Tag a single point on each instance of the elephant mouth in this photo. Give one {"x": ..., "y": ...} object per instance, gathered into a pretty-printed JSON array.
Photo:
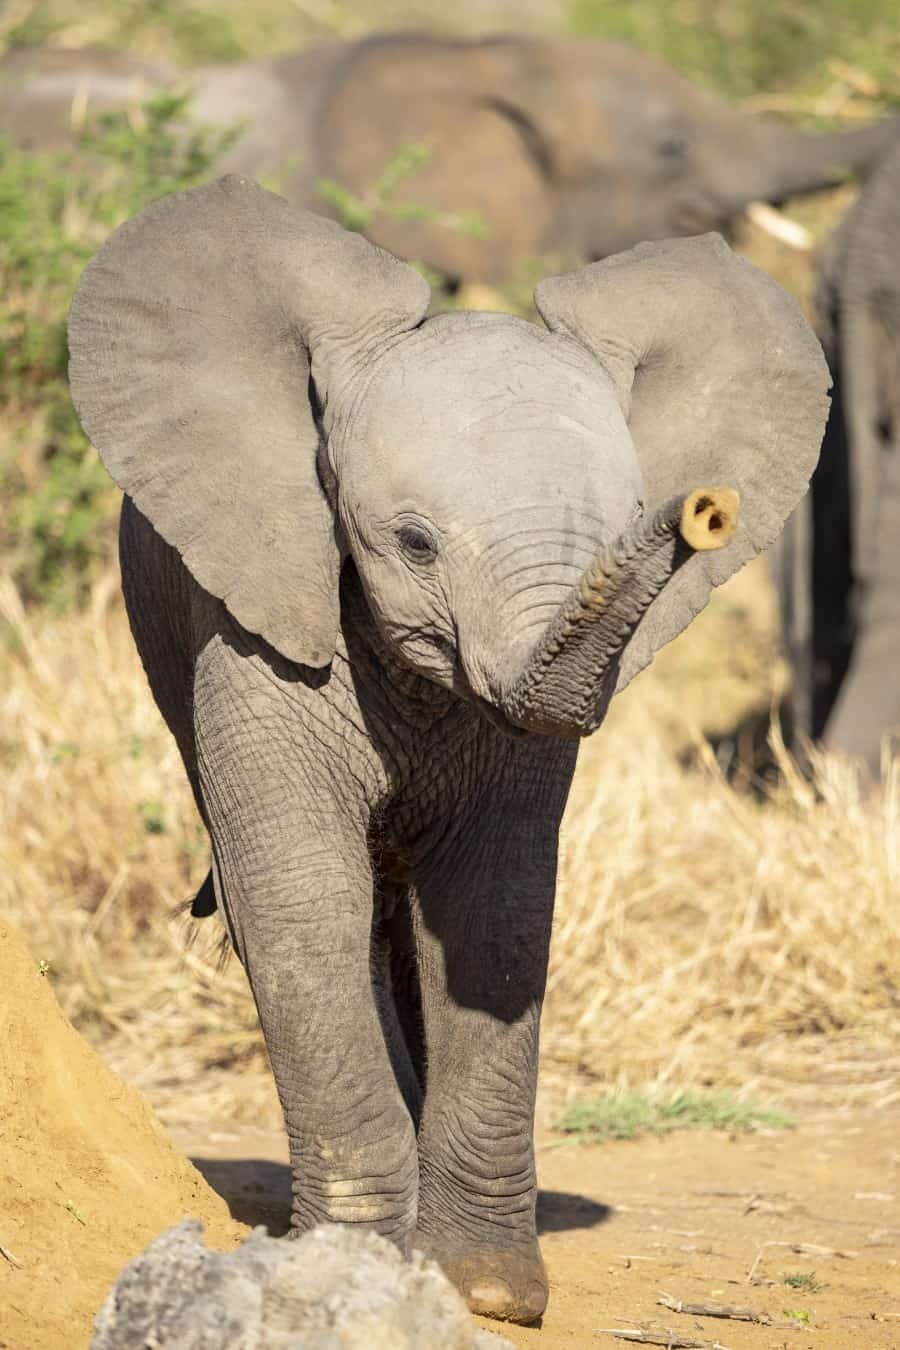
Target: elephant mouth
[{"x": 499, "y": 720}]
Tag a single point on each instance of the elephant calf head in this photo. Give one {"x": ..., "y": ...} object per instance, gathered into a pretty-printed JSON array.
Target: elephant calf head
[{"x": 532, "y": 511}]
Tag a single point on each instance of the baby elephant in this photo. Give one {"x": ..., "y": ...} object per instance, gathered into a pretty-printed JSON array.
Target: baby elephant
[{"x": 384, "y": 571}]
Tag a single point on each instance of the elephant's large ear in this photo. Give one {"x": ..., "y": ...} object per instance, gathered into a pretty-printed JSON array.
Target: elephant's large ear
[
  {"x": 197, "y": 337},
  {"x": 721, "y": 381}
]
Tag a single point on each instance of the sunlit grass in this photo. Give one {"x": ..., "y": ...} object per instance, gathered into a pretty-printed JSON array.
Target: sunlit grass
[
  {"x": 626, "y": 1115},
  {"x": 706, "y": 938}
]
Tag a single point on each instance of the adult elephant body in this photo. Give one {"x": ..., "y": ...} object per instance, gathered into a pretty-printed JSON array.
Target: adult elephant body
[
  {"x": 383, "y": 572},
  {"x": 841, "y": 581},
  {"x": 47, "y": 94},
  {"x": 576, "y": 149},
  {"x": 571, "y": 148}
]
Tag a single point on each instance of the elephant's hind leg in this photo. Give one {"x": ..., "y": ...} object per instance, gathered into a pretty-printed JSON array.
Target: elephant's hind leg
[{"x": 396, "y": 980}]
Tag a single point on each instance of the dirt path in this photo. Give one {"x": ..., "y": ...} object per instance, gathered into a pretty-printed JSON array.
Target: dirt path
[{"x": 691, "y": 1215}]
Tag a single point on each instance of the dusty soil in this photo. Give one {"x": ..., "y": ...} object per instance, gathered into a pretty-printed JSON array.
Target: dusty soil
[
  {"x": 703, "y": 1217},
  {"x": 87, "y": 1176}
]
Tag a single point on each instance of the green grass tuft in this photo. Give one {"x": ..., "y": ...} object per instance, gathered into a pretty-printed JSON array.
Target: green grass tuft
[
  {"x": 803, "y": 1280},
  {"x": 629, "y": 1114}
]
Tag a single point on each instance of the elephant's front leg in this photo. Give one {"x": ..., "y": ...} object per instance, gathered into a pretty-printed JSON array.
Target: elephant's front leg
[
  {"x": 289, "y": 841},
  {"x": 485, "y": 893},
  {"x": 301, "y": 910}
]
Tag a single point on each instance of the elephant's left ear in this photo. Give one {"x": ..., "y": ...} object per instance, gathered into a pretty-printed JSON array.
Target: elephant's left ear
[
  {"x": 721, "y": 381},
  {"x": 211, "y": 340}
]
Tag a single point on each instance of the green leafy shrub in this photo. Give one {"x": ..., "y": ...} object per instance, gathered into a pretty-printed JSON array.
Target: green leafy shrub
[
  {"x": 358, "y": 213},
  {"x": 55, "y": 211},
  {"x": 186, "y": 31}
]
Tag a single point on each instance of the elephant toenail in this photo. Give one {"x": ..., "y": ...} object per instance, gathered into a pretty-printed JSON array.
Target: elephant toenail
[{"x": 491, "y": 1298}]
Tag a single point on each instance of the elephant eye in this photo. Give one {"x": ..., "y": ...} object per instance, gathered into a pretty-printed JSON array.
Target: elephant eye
[
  {"x": 416, "y": 544},
  {"x": 673, "y": 147}
]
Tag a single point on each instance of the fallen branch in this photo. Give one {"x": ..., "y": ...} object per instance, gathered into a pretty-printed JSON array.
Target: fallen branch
[
  {"x": 7, "y": 1255},
  {"x": 713, "y": 1310},
  {"x": 670, "y": 1339},
  {"x": 814, "y": 1249}
]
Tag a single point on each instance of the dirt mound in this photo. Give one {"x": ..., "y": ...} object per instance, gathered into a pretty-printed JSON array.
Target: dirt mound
[{"x": 87, "y": 1175}]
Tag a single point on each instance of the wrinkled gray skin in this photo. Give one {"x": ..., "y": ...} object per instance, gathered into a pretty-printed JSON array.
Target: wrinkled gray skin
[
  {"x": 840, "y": 581},
  {"x": 383, "y": 572},
  {"x": 335, "y": 1289},
  {"x": 570, "y": 148}
]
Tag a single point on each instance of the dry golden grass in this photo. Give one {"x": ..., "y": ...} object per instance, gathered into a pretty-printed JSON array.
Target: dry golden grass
[
  {"x": 705, "y": 934},
  {"x": 99, "y": 844},
  {"x": 724, "y": 938}
]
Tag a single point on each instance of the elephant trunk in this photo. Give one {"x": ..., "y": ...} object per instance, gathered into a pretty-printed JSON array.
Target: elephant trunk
[
  {"x": 799, "y": 162},
  {"x": 569, "y": 678}
]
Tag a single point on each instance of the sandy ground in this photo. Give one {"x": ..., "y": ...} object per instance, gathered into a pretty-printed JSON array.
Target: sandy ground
[
  {"x": 87, "y": 1175},
  {"x": 703, "y": 1217}
]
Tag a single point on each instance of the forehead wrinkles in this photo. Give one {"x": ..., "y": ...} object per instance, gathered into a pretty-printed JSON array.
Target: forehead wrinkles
[{"x": 492, "y": 376}]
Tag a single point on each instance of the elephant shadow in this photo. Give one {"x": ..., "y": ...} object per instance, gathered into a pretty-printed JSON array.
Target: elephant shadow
[{"x": 258, "y": 1191}]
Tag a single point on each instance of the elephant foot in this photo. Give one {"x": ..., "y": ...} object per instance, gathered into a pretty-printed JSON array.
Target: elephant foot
[{"x": 509, "y": 1284}]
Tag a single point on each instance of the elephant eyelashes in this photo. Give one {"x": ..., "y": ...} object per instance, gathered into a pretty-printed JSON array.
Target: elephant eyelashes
[{"x": 416, "y": 544}]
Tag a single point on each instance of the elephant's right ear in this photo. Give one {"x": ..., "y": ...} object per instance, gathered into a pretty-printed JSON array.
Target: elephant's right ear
[
  {"x": 721, "y": 381},
  {"x": 194, "y": 337}
]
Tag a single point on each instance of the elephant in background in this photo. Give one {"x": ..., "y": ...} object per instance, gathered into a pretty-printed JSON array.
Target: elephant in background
[
  {"x": 569, "y": 148},
  {"x": 840, "y": 572},
  {"x": 383, "y": 572}
]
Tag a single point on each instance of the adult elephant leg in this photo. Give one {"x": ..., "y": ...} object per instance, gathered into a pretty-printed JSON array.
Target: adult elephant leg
[
  {"x": 485, "y": 888},
  {"x": 289, "y": 835},
  {"x": 869, "y": 702},
  {"x": 868, "y": 706},
  {"x": 832, "y": 574}
]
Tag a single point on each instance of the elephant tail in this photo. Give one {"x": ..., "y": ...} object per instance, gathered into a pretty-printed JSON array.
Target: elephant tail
[{"x": 204, "y": 902}]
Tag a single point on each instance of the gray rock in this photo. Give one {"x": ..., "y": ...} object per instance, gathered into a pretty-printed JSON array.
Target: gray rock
[{"x": 332, "y": 1289}]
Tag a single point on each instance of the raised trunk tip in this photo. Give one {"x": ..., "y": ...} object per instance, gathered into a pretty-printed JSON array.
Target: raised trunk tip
[
  {"x": 567, "y": 681},
  {"x": 709, "y": 517}
]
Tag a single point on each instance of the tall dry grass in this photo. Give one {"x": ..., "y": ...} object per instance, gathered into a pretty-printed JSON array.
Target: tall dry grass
[
  {"x": 716, "y": 937},
  {"x": 705, "y": 933}
]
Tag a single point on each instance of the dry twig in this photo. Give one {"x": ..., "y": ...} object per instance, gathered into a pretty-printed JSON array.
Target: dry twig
[
  {"x": 712, "y": 1310},
  {"x": 670, "y": 1339}
]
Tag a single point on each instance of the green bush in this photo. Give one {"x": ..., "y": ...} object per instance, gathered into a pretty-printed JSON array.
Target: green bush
[
  {"x": 380, "y": 199},
  {"x": 187, "y": 32},
  {"x": 55, "y": 211}
]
